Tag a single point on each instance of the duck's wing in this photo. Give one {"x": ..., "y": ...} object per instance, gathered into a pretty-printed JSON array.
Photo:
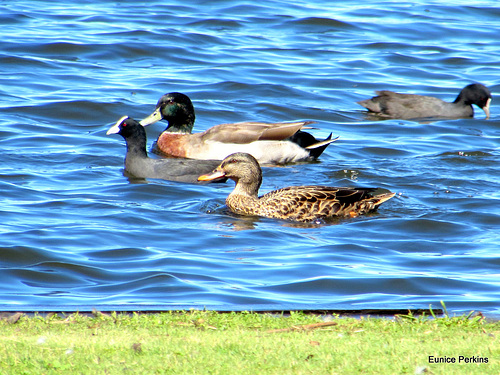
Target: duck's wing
[
  {"x": 305, "y": 203},
  {"x": 247, "y": 132}
]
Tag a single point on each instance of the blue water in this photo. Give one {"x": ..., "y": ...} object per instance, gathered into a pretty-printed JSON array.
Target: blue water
[{"x": 76, "y": 233}]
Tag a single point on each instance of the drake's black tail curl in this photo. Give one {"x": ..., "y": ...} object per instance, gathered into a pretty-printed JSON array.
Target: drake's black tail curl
[{"x": 305, "y": 140}]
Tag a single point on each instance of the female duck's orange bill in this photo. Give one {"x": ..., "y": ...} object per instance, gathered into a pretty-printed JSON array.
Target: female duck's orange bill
[{"x": 216, "y": 174}]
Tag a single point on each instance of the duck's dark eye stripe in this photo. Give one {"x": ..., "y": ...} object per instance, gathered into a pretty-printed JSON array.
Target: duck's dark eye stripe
[{"x": 230, "y": 161}]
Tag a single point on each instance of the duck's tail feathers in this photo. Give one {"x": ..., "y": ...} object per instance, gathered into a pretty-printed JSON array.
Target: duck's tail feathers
[
  {"x": 317, "y": 148},
  {"x": 381, "y": 198}
]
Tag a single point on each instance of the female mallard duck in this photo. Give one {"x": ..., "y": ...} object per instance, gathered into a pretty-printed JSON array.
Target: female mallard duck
[
  {"x": 298, "y": 203},
  {"x": 138, "y": 164},
  {"x": 268, "y": 142},
  {"x": 408, "y": 106}
]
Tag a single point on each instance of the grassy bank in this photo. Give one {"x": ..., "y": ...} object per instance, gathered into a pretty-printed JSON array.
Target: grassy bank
[{"x": 246, "y": 343}]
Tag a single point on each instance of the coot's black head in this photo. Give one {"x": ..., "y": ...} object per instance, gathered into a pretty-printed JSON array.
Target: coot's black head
[
  {"x": 477, "y": 94},
  {"x": 127, "y": 127}
]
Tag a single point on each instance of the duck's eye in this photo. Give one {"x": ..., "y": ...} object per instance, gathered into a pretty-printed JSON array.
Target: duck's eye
[{"x": 229, "y": 161}]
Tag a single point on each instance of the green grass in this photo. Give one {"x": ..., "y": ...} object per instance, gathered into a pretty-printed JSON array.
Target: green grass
[{"x": 200, "y": 342}]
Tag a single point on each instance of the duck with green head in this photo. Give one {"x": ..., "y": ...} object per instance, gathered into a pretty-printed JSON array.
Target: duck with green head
[{"x": 270, "y": 143}]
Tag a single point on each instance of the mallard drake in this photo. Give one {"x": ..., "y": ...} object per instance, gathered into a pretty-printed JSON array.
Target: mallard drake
[
  {"x": 408, "y": 106},
  {"x": 297, "y": 203},
  {"x": 277, "y": 143},
  {"x": 138, "y": 164}
]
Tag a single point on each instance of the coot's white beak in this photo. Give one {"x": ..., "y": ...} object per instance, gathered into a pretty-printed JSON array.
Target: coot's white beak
[
  {"x": 486, "y": 108},
  {"x": 115, "y": 129}
]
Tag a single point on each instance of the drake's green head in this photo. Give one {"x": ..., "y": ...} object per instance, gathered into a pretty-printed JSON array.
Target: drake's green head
[{"x": 177, "y": 109}]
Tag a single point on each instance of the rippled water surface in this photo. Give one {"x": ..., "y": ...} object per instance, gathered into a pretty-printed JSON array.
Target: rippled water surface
[{"x": 76, "y": 233}]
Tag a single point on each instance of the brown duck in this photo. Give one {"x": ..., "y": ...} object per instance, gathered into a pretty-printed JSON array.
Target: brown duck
[{"x": 297, "y": 203}]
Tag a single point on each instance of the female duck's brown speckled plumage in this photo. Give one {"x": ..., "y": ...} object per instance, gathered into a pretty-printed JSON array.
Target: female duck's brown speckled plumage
[
  {"x": 297, "y": 203},
  {"x": 268, "y": 142}
]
